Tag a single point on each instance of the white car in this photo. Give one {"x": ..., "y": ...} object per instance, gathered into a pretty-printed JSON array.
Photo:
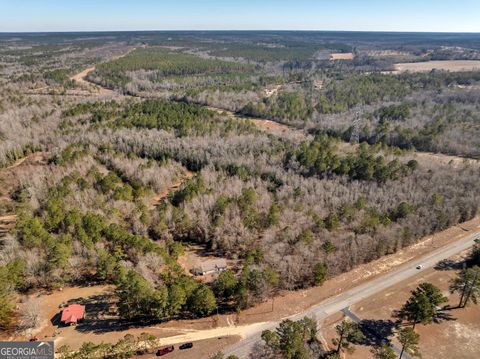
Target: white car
[{"x": 420, "y": 266}]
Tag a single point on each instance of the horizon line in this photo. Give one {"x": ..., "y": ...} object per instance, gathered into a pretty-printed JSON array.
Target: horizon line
[{"x": 236, "y": 30}]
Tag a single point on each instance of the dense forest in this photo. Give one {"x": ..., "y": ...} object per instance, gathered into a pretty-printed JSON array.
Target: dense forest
[
  {"x": 133, "y": 177},
  {"x": 290, "y": 211},
  {"x": 313, "y": 94}
]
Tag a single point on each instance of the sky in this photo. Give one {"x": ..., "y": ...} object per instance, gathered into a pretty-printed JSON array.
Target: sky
[{"x": 356, "y": 15}]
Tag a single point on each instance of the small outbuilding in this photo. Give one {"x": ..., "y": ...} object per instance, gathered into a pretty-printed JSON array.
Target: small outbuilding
[
  {"x": 72, "y": 314},
  {"x": 210, "y": 266}
]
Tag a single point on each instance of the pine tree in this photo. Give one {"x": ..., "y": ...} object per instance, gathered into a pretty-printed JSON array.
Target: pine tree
[
  {"x": 348, "y": 332},
  {"x": 422, "y": 305},
  {"x": 290, "y": 338},
  {"x": 467, "y": 285},
  {"x": 409, "y": 341},
  {"x": 383, "y": 351}
]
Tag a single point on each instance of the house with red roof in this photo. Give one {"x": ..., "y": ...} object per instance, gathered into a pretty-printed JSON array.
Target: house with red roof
[{"x": 72, "y": 314}]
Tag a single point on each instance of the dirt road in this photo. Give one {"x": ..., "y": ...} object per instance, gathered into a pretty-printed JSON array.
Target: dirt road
[
  {"x": 191, "y": 335},
  {"x": 80, "y": 77},
  {"x": 262, "y": 124},
  {"x": 80, "y": 80}
]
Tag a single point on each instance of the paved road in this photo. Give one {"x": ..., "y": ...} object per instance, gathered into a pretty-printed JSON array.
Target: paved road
[{"x": 335, "y": 304}]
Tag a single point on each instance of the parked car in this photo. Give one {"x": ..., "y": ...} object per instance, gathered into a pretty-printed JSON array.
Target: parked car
[
  {"x": 420, "y": 266},
  {"x": 186, "y": 346},
  {"x": 143, "y": 351},
  {"x": 165, "y": 351}
]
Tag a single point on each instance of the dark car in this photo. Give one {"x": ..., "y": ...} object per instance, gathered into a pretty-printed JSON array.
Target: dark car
[
  {"x": 186, "y": 346},
  {"x": 143, "y": 351},
  {"x": 165, "y": 351}
]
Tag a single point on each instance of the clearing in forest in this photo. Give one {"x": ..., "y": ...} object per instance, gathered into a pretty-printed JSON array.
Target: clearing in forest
[
  {"x": 452, "y": 65},
  {"x": 342, "y": 56}
]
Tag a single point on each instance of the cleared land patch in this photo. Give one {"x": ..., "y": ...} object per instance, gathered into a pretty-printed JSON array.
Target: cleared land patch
[
  {"x": 342, "y": 56},
  {"x": 452, "y": 65}
]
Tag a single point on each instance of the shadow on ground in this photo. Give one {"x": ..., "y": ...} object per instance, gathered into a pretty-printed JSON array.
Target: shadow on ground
[
  {"x": 377, "y": 332},
  {"x": 448, "y": 264}
]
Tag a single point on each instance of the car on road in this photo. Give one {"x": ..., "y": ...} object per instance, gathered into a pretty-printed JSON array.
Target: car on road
[
  {"x": 165, "y": 351},
  {"x": 186, "y": 346},
  {"x": 420, "y": 266}
]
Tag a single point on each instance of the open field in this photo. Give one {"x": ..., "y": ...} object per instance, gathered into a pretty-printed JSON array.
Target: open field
[
  {"x": 452, "y": 65},
  {"x": 341, "y": 56}
]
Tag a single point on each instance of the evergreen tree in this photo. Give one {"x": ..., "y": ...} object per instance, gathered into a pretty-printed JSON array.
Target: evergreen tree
[
  {"x": 348, "y": 332},
  {"x": 467, "y": 285},
  {"x": 137, "y": 299},
  {"x": 422, "y": 305},
  {"x": 225, "y": 284},
  {"x": 177, "y": 299},
  {"x": 6, "y": 299},
  {"x": 383, "y": 351},
  {"x": 290, "y": 339},
  {"x": 409, "y": 341},
  {"x": 320, "y": 272},
  {"x": 202, "y": 301}
]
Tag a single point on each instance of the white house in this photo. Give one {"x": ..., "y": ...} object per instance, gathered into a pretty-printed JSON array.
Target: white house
[{"x": 210, "y": 266}]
